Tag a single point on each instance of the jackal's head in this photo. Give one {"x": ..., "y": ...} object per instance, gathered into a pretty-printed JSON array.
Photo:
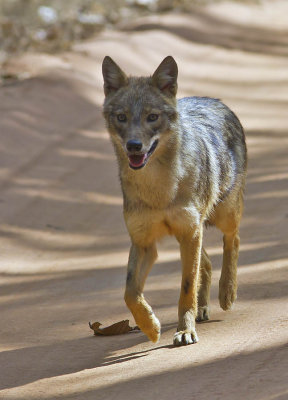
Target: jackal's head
[{"x": 140, "y": 112}]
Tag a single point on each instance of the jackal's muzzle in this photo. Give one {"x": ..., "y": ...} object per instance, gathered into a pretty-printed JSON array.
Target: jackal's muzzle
[{"x": 138, "y": 159}]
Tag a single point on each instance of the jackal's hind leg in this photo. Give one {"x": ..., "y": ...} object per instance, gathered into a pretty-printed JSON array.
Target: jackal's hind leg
[
  {"x": 227, "y": 218},
  {"x": 228, "y": 279},
  {"x": 203, "y": 313}
]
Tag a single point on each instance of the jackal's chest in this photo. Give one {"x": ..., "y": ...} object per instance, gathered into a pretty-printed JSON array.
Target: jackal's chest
[
  {"x": 144, "y": 213},
  {"x": 153, "y": 207},
  {"x": 146, "y": 226},
  {"x": 148, "y": 192}
]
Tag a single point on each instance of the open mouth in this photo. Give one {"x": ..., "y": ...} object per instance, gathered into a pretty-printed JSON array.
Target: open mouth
[{"x": 137, "y": 161}]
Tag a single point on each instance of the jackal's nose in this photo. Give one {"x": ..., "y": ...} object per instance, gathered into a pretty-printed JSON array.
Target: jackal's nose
[{"x": 134, "y": 145}]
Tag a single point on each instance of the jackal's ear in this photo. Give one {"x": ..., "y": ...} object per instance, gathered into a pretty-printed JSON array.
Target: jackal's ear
[
  {"x": 114, "y": 77},
  {"x": 165, "y": 76}
]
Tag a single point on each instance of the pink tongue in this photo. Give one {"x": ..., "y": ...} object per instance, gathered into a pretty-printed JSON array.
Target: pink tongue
[{"x": 137, "y": 161}]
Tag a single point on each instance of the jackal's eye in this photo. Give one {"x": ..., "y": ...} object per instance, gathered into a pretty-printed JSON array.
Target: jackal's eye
[
  {"x": 152, "y": 117},
  {"x": 121, "y": 117}
]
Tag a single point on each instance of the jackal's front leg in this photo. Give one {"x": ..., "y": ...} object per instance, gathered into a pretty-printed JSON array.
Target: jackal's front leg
[
  {"x": 140, "y": 262},
  {"x": 190, "y": 247}
]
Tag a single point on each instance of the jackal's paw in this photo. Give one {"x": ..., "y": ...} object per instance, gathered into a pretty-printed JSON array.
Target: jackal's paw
[
  {"x": 150, "y": 325},
  {"x": 227, "y": 295},
  {"x": 203, "y": 314},
  {"x": 182, "y": 338}
]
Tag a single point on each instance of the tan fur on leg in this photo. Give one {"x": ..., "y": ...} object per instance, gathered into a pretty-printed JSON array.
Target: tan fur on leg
[
  {"x": 204, "y": 287},
  {"x": 139, "y": 265},
  {"x": 228, "y": 279},
  {"x": 190, "y": 248}
]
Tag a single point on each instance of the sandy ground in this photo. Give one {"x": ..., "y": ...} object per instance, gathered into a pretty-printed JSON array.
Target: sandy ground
[{"x": 64, "y": 246}]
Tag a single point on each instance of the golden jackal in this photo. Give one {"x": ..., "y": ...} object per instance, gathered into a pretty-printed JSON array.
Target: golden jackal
[{"x": 182, "y": 165}]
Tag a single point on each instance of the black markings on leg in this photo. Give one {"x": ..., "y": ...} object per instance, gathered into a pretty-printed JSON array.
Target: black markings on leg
[
  {"x": 186, "y": 286},
  {"x": 129, "y": 276}
]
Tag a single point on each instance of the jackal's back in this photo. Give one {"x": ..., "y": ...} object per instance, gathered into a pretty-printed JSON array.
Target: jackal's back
[{"x": 213, "y": 142}]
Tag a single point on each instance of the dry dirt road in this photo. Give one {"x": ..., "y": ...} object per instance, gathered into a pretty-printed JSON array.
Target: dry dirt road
[{"x": 64, "y": 246}]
